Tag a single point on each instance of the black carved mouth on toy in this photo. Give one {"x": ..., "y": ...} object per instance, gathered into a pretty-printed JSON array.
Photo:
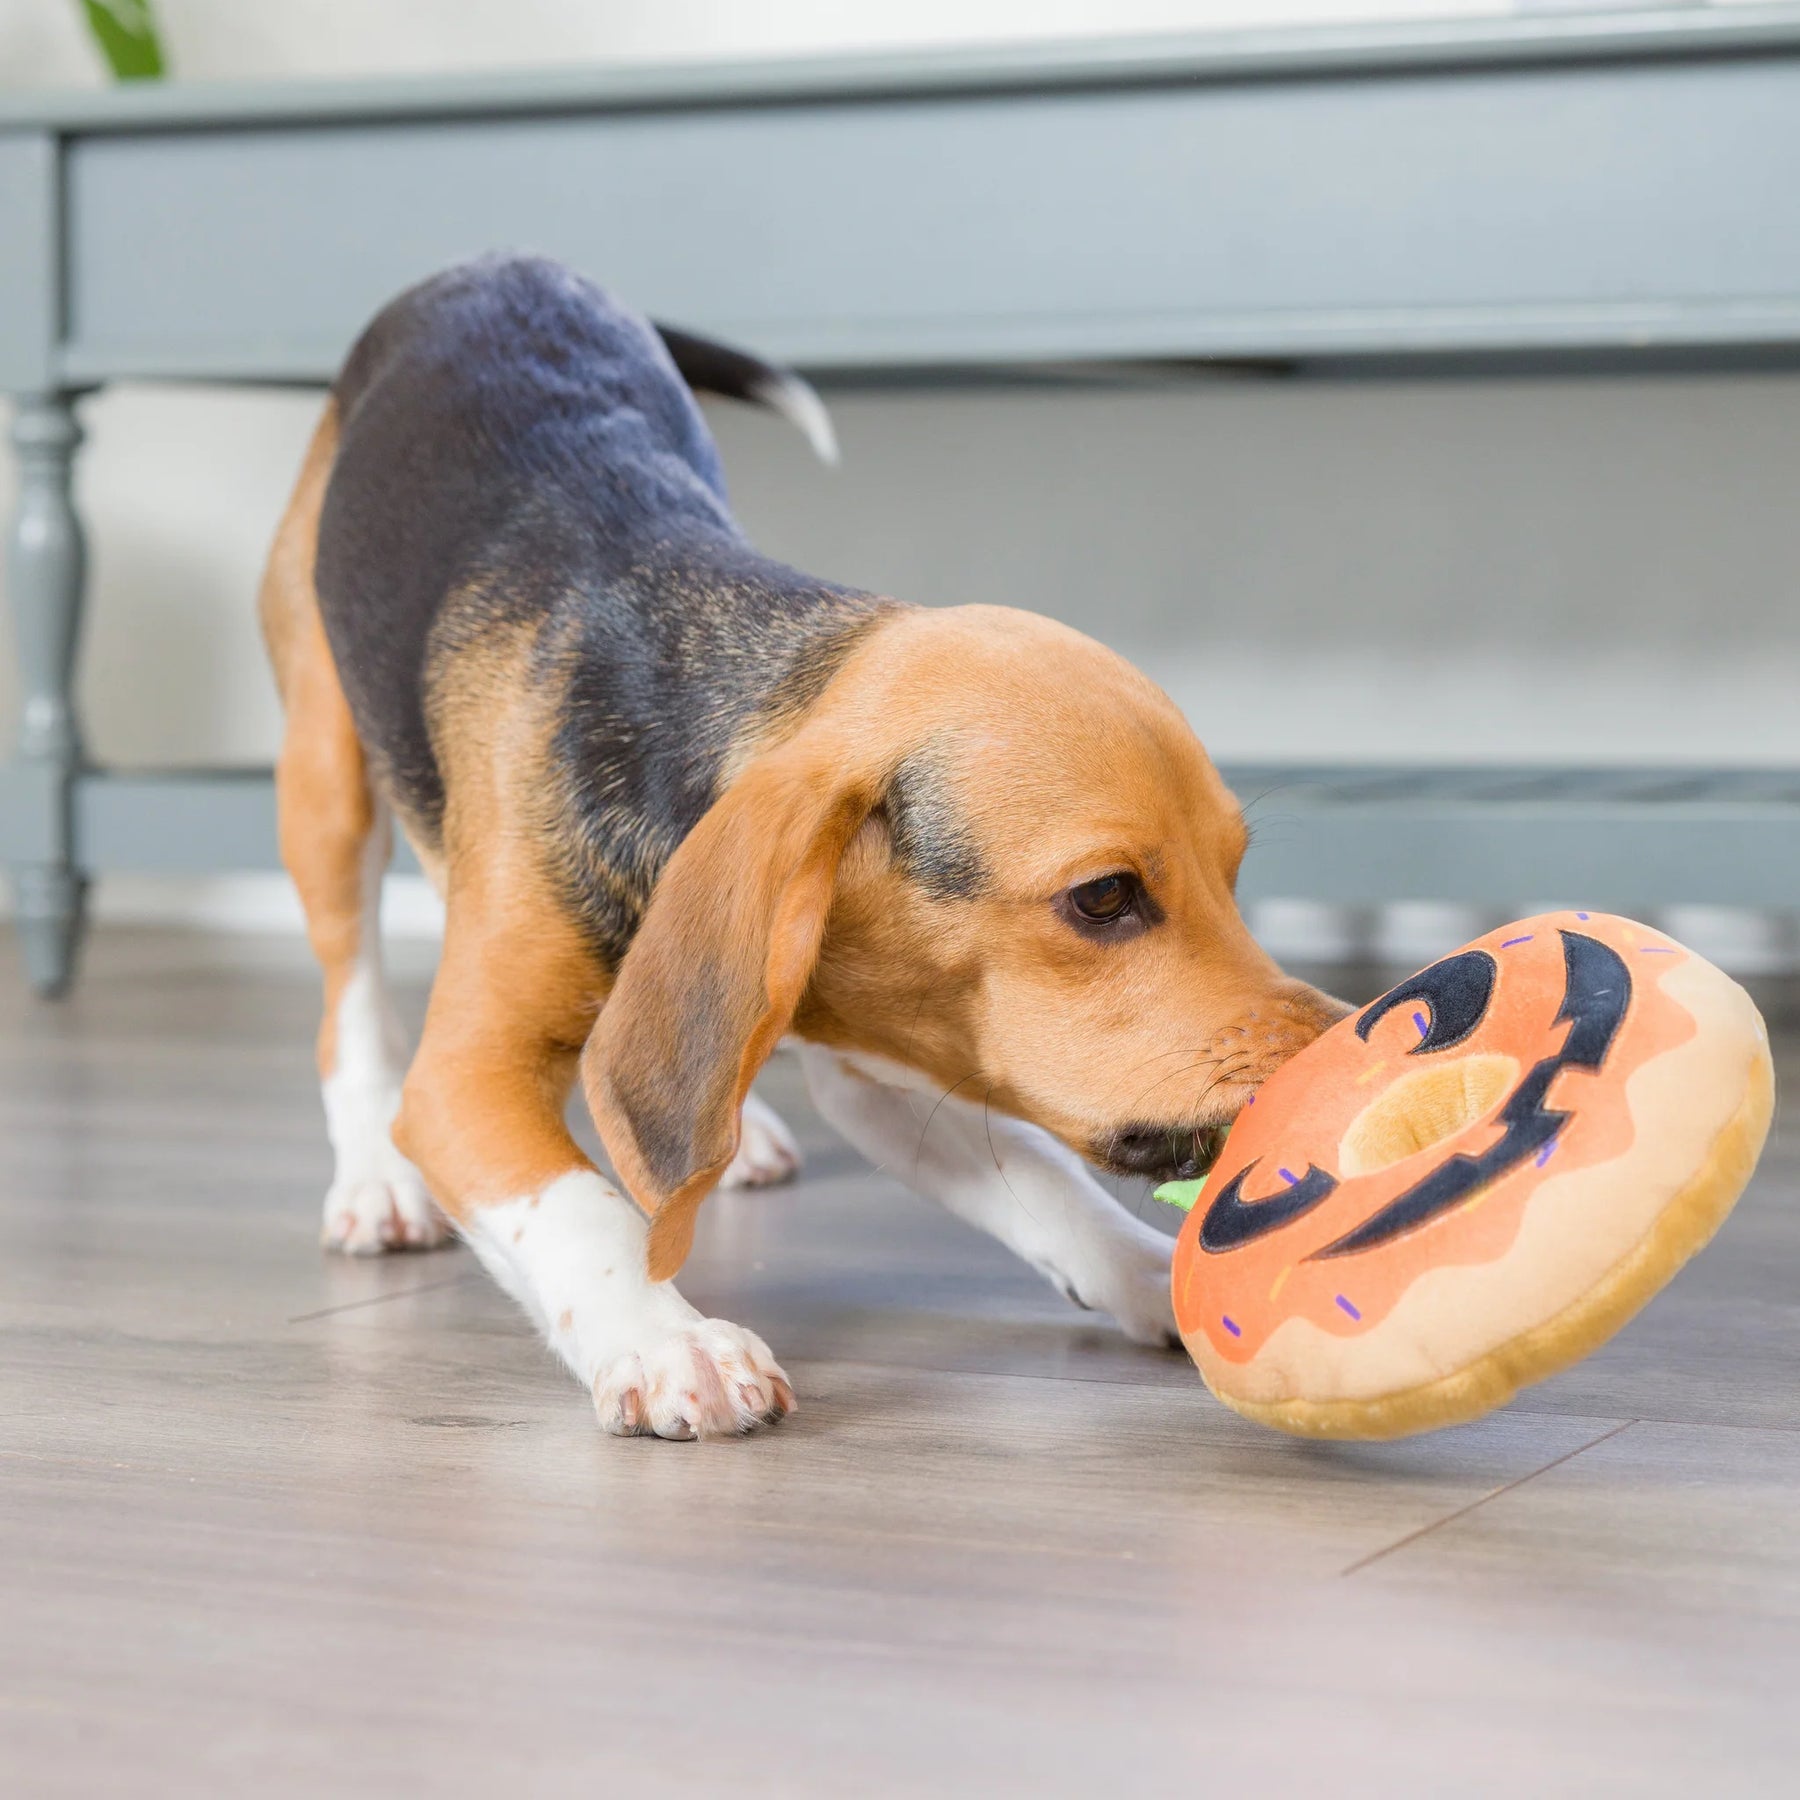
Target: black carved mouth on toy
[{"x": 1162, "y": 1152}]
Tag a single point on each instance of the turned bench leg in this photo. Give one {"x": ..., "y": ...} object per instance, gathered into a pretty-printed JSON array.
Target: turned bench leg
[{"x": 46, "y": 560}]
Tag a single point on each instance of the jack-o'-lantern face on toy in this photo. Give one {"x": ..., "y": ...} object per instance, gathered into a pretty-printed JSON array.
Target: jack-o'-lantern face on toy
[
  {"x": 1442, "y": 1109},
  {"x": 1473, "y": 1181}
]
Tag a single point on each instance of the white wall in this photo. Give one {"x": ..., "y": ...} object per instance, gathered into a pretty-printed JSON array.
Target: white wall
[
  {"x": 1589, "y": 570},
  {"x": 41, "y": 41}
]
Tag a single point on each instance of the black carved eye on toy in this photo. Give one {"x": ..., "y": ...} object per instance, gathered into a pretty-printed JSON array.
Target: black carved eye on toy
[{"x": 1456, "y": 993}]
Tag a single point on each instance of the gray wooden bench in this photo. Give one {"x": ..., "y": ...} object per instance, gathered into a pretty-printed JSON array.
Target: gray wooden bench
[{"x": 1505, "y": 194}]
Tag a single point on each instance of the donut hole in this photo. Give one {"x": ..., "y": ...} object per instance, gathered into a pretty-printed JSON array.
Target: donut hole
[{"x": 1424, "y": 1108}]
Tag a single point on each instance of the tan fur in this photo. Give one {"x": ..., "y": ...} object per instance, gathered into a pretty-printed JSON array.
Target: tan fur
[
  {"x": 287, "y": 600},
  {"x": 517, "y": 988},
  {"x": 324, "y": 804}
]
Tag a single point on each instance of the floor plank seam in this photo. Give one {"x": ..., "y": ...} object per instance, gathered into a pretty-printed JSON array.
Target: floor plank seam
[
  {"x": 1462, "y": 1512},
  {"x": 425, "y": 1287},
  {"x": 1678, "y": 1424}
]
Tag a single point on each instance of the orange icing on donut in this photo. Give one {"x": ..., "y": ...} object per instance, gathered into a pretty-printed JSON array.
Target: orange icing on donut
[{"x": 1303, "y": 1117}]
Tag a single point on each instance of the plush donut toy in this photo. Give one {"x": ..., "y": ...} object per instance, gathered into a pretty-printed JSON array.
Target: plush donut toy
[{"x": 1473, "y": 1182}]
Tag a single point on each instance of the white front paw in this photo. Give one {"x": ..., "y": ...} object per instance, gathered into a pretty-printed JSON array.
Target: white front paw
[
  {"x": 705, "y": 1379},
  {"x": 1129, "y": 1278},
  {"x": 368, "y": 1215},
  {"x": 766, "y": 1152}
]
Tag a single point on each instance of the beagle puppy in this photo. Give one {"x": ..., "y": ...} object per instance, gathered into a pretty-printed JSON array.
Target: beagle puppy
[{"x": 682, "y": 802}]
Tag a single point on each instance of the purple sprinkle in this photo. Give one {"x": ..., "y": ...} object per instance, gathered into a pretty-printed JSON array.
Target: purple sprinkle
[
  {"x": 1251, "y": 1101},
  {"x": 1419, "y": 1020},
  {"x": 1231, "y": 1327},
  {"x": 1526, "y": 939},
  {"x": 1581, "y": 915},
  {"x": 1655, "y": 950},
  {"x": 1345, "y": 1304},
  {"x": 1289, "y": 1177},
  {"x": 1545, "y": 1154}
]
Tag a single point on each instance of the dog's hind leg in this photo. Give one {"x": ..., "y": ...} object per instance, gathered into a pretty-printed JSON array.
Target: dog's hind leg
[
  {"x": 766, "y": 1152},
  {"x": 335, "y": 840}
]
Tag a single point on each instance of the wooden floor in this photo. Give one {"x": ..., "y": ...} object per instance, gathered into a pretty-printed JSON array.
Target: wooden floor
[{"x": 272, "y": 1523}]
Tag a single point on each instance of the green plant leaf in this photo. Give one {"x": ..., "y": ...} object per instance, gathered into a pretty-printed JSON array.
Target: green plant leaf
[{"x": 126, "y": 32}]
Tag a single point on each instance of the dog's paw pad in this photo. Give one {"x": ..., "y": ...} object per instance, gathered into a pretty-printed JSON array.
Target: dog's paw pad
[{"x": 708, "y": 1379}]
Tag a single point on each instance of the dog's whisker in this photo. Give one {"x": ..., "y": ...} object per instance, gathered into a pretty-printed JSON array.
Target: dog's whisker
[
  {"x": 1180, "y": 1074},
  {"x": 1224, "y": 1073},
  {"x": 1181, "y": 1050},
  {"x": 919, "y": 1148},
  {"x": 987, "y": 1126},
  {"x": 912, "y": 1035}
]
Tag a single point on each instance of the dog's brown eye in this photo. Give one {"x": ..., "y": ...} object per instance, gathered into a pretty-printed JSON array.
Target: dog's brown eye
[
  {"x": 1112, "y": 910},
  {"x": 1102, "y": 901}
]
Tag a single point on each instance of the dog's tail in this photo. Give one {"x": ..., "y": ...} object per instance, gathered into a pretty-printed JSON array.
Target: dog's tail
[{"x": 710, "y": 368}]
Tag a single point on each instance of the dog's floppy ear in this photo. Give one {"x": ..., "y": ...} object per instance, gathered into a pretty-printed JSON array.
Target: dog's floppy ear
[{"x": 713, "y": 976}]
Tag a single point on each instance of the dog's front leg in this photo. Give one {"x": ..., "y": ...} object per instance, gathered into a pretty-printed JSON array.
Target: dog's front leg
[
  {"x": 572, "y": 1253},
  {"x": 1011, "y": 1180},
  {"x": 482, "y": 1113}
]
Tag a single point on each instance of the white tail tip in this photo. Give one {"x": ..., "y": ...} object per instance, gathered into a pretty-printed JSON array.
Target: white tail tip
[{"x": 798, "y": 402}]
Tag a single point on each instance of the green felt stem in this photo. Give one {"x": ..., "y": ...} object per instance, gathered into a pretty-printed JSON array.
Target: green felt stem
[{"x": 1180, "y": 1193}]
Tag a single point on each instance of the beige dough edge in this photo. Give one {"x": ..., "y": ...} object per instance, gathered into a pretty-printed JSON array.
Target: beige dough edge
[{"x": 1681, "y": 1227}]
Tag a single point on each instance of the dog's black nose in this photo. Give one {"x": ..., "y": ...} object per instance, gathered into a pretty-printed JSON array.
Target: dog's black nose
[{"x": 1163, "y": 1152}]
